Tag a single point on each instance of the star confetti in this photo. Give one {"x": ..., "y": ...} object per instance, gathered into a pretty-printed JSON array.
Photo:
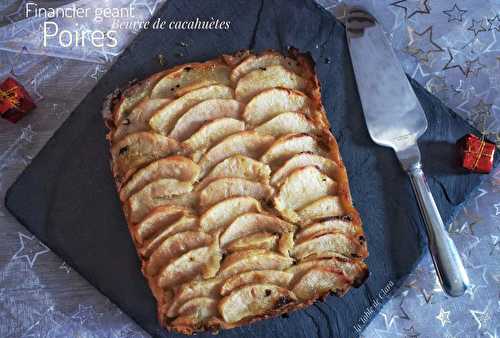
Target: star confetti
[
  {"x": 443, "y": 317},
  {"x": 455, "y": 14},
  {"x": 30, "y": 249},
  {"x": 412, "y": 7},
  {"x": 477, "y": 26}
]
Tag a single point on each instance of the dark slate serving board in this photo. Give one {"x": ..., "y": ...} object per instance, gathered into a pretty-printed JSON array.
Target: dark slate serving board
[{"x": 66, "y": 196}]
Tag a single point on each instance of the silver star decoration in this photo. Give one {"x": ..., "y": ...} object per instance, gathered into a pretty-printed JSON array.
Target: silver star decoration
[
  {"x": 494, "y": 23},
  {"x": 456, "y": 60},
  {"x": 477, "y": 26},
  {"x": 412, "y": 7},
  {"x": 455, "y": 14},
  {"x": 436, "y": 85},
  {"x": 443, "y": 317},
  {"x": 30, "y": 249},
  {"x": 86, "y": 313},
  {"x": 482, "y": 318}
]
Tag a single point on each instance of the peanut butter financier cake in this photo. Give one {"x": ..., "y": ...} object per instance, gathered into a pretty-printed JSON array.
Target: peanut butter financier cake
[{"x": 234, "y": 190}]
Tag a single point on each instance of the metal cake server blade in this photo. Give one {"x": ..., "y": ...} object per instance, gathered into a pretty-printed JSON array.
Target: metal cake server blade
[{"x": 395, "y": 119}]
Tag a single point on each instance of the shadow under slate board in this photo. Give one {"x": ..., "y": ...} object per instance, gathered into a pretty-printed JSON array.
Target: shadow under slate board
[{"x": 66, "y": 197}]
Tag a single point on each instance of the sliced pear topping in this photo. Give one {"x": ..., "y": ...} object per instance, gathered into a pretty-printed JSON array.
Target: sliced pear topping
[
  {"x": 317, "y": 282},
  {"x": 138, "y": 149},
  {"x": 253, "y": 62},
  {"x": 275, "y": 277},
  {"x": 247, "y": 143},
  {"x": 325, "y": 165},
  {"x": 138, "y": 119},
  {"x": 203, "y": 260},
  {"x": 330, "y": 225},
  {"x": 158, "y": 219},
  {"x": 240, "y": 167},
  {"x": 287, "y": 146},
  {"x": 177, "y": 167},
  {"x": 202, "y": 112},
  {"x": 302, "y": 187},
  {"x": 190, "y": 77},
  {"x": 272, "y": 102},
  {"x": 213, "y": 132},
  {"x": 254, "y": 300},
  {"x": 270, "y": 77},
  {"x": 155, "y": 194},
  {"x": 251, "y": 260},
  {"x": 249, "y": 223},
  {"x": 223, "y": 188},
  {"x": 224, "y": 212},
  {"x": 336, "y": 242},
  {"x": 257, "y": 240},
  {"x": 286, "y": 123},
  {"x": 328, "y": 206},
  {"x": 183, "y": 224},
  {"x": 195, "y": 312},
  {"x": 174, "y": 246},
  {"x": 164, "y": 119},
  {"x": 194, "y": 289}
]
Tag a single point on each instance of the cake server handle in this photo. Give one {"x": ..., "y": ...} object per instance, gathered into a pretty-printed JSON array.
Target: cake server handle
[{"x": 447, "y": 261}]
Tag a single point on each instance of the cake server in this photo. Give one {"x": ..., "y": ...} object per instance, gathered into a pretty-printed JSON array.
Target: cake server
[{"x": 395, "y": 119}]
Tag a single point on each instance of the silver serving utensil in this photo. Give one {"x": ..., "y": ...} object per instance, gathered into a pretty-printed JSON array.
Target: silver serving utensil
[{"x": 396, "y": 119}]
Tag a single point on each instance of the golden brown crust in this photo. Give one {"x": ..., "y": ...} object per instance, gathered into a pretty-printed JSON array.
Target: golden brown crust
[{"x": 120, "y": 103}]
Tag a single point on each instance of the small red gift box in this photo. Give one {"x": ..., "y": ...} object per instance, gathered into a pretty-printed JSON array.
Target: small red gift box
[
  {"x": 15, "y": 101},
  {"x": 476, "y": 153}
]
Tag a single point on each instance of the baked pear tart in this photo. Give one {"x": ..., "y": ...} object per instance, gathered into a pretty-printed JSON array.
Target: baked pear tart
[{"x": 234, "y": 190}]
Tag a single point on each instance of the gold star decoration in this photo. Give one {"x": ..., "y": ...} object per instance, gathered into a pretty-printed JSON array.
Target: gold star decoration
[
  {"x": 412, "y": 7},
  {"x": 443, "y": 317},
  {"x": 494, "y": 23},
  {"x": 421, "y": 45},
  {"x": 477, "y": 26},
  {"x": 455, "y": 14}
]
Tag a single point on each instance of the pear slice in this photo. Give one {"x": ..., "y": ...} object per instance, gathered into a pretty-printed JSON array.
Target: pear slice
[
  {"x": 138, "y": 149},
  {"x": 203, "y": 260},
  {"x": 224, "y": 212},
  {"x": 178, "y": 167},
  {"x": 138, "y": 119},
  {"x": 202, "y": 112},
  {"x": 174, "y": 246},
  {"x": 330, "y": 225},
  {"x": 250, "y": 223},
  {"x": 275, "y": 277},
  {"x": 185, "y": 223},
  {"x": 195, "y": 312},
  {"x": 333, "y": 242},
  {"x": 317, "y": 282},
  {"x": 238, "y": 166},
  {"x": 223, "y": 188},
  {"x": 270, "y": 77},
  {"x": 157, "y": 220},
  {"x": 194, "y": 289},
  {"x": 254, "y": 300},
  {"x": 302, "y": 187},
  {"x": 328, "y": 206},
  {"x": 289, "y": 145},
  {"x": 191, "y": 77},
  {"x": 251, "y": 260},
  {"x": 286, "y": 123},
  {"x": 270, "y": 58},
  {"x": 153, "y": 195},
  {"x": 164, "y": 119},
  {"x": 247, "y": 143},
  {"x": 212, "y": 133},
  {"x": 272, "y": 102},
  {"x": 257, "y": 240},
  {"x": 325, "y": 165}
]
